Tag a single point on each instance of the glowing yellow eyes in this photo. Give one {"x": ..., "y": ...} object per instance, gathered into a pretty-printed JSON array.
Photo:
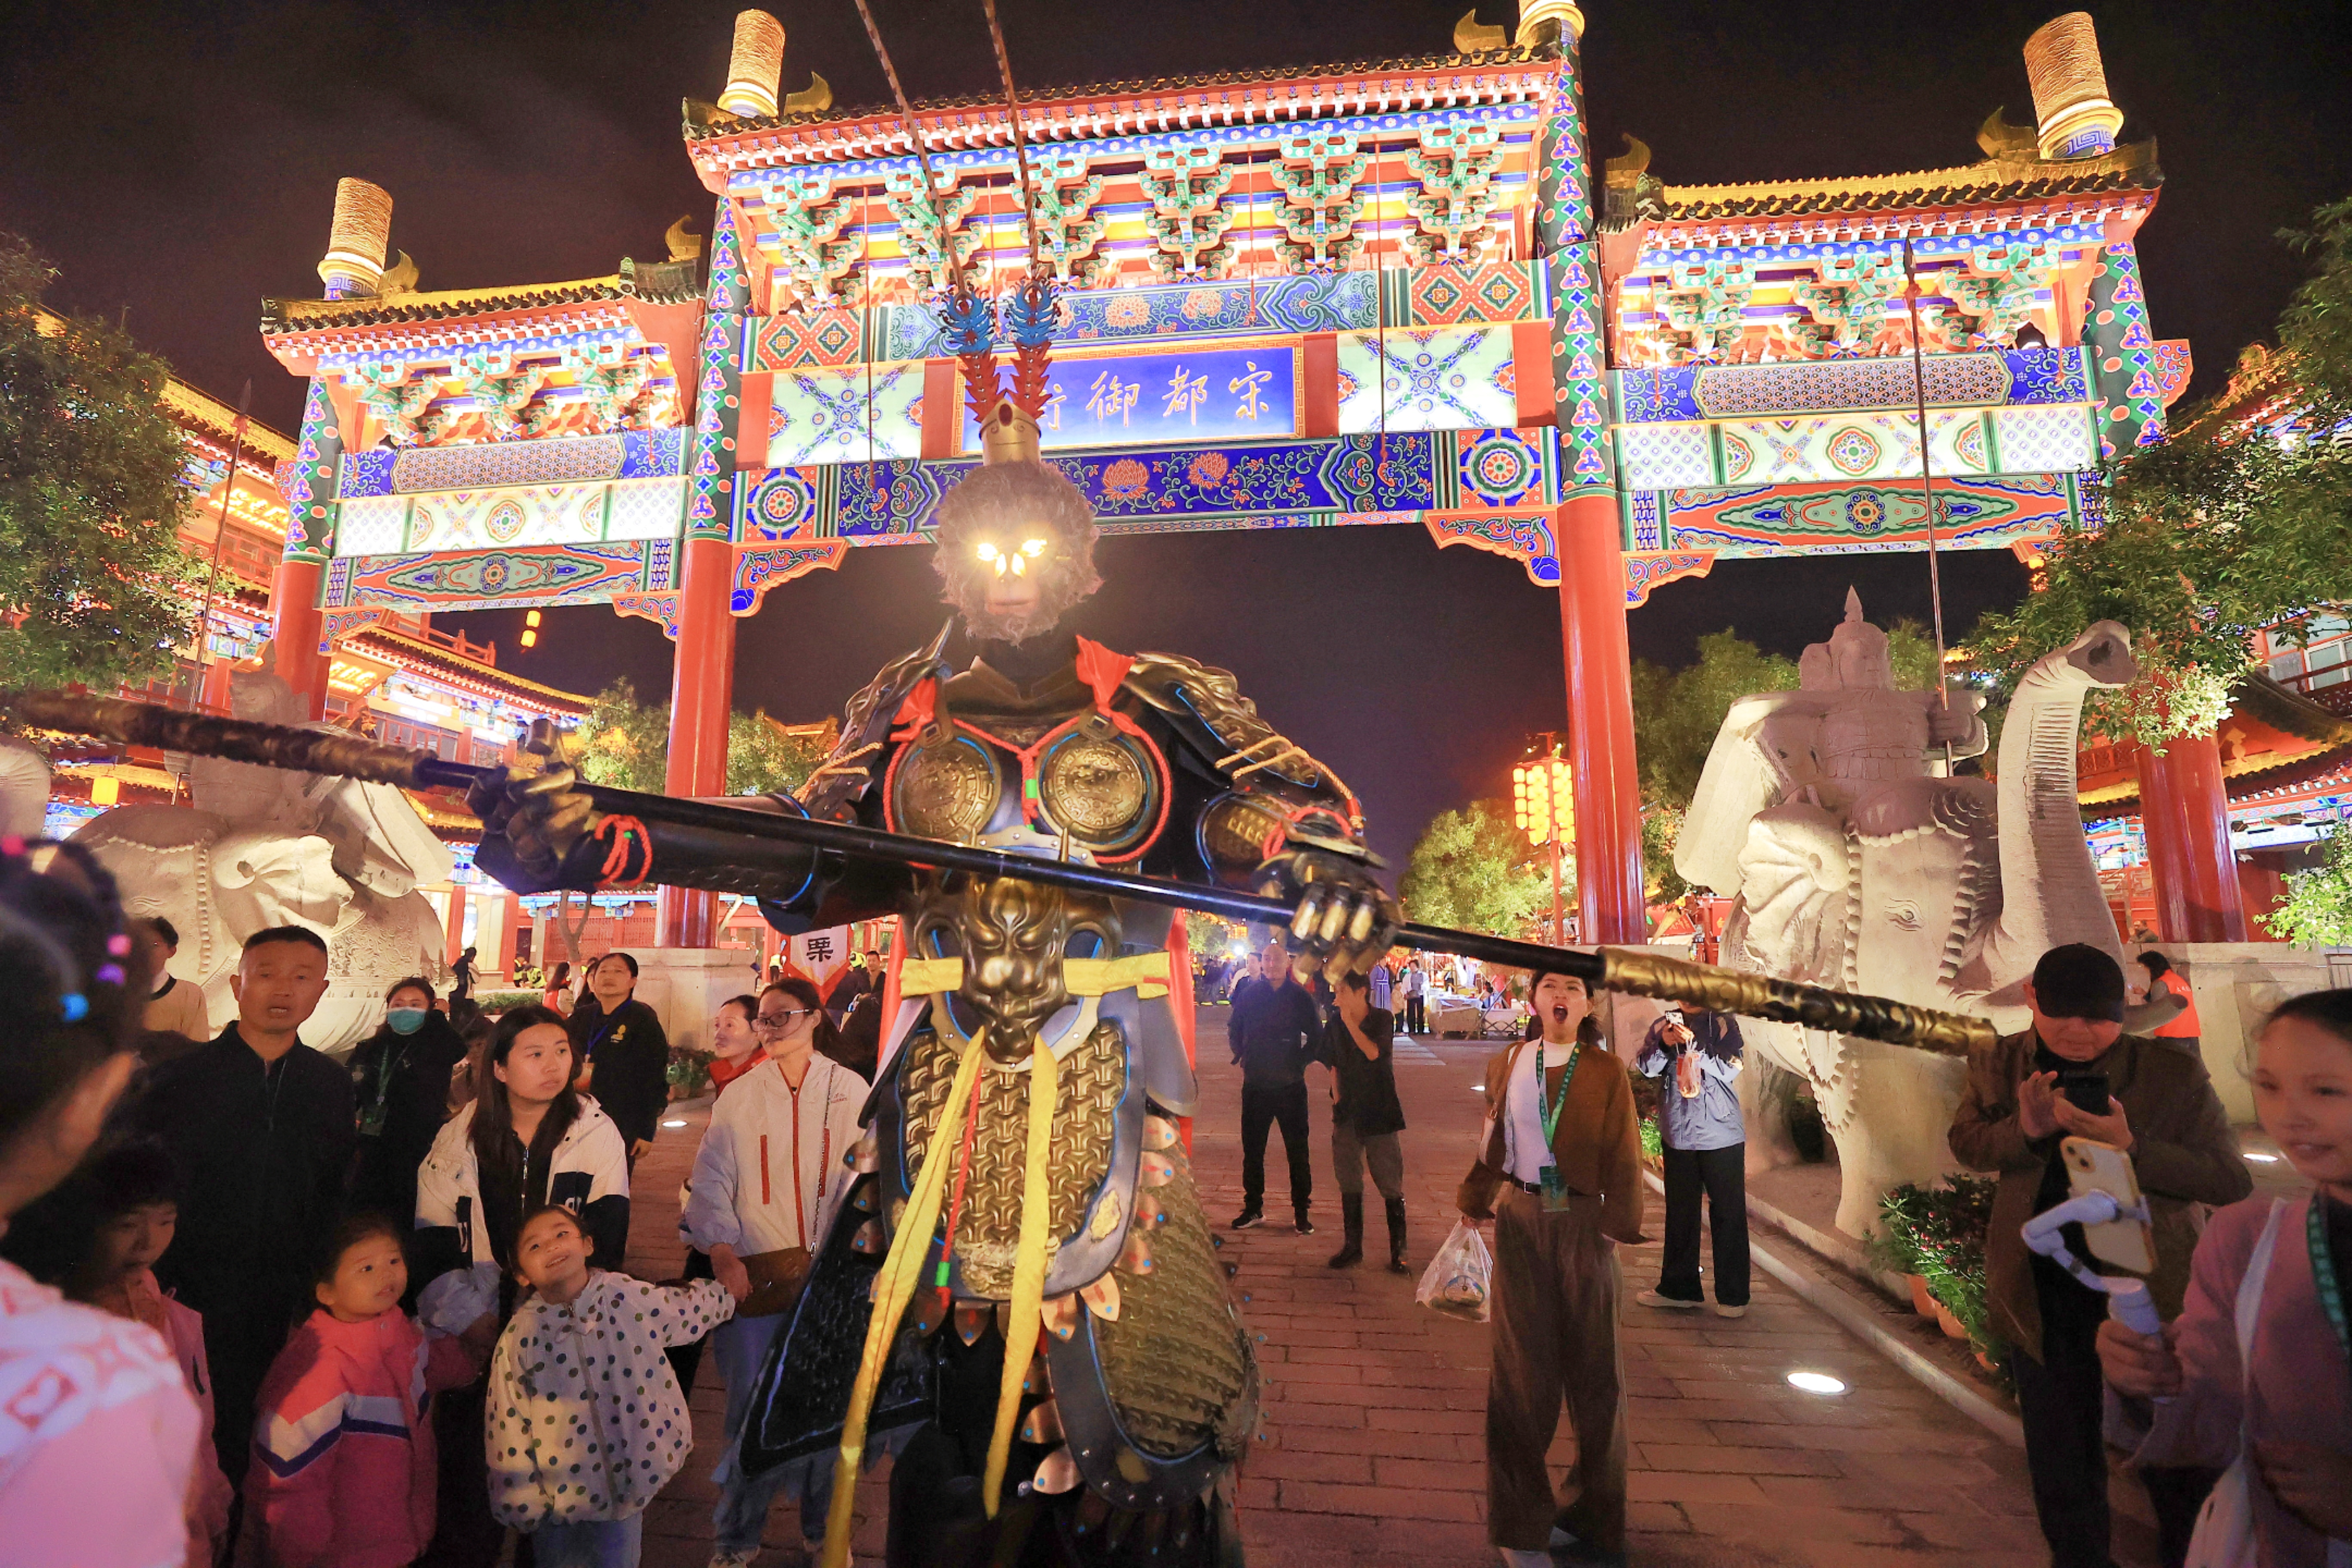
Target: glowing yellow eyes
[{"x": 1016, "y": 561}]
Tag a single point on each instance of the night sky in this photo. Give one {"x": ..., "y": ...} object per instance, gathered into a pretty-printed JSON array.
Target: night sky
[{"x": 179, "y": 161}]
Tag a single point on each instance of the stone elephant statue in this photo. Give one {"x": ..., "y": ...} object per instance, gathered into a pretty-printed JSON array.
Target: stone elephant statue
[
  {"x": 1858, "y": 864},
  {"x": 264, "y": 848}
]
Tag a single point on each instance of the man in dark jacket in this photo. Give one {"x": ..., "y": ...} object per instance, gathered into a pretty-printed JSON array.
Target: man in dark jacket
[
  {"x": 620, "y": 1052},
  {"x": 1358, "y": 1042},
  {"x": 2015, "y": 1111},
  {"x": 1271, "y": 1031},
  {"x": 260, "y": 1126}
]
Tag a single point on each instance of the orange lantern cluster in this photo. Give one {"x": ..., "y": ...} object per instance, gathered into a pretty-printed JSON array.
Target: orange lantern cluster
[{"x": 1543, "y": 800}]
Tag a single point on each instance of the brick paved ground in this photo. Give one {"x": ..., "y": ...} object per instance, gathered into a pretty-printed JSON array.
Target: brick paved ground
[{"x": 1371, "y": 1453}]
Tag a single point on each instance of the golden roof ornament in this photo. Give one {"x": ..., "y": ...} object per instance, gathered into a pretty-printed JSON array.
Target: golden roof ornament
[
  {"x": 1470, "y": 38},
  {"x": 355, "y": 242},
  {"x": 684, "y": 244},
  {"x": 2074, "y": 117},
  {"x": 1547, "y": 21},
  {"x": 814, "y": 99},
  {"x": 755, "y": 66}
]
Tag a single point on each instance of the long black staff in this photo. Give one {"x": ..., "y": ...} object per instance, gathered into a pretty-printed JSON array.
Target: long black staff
[{"x": 1642, "y": 973}]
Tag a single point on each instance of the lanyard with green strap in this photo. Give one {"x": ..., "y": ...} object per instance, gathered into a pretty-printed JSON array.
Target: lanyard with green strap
[
  {"x": 1547, "y": 1110},
  {"x": 2322, "y": 1270}
]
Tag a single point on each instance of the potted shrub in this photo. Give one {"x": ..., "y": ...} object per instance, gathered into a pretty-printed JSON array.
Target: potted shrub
[{"x": 1894, "y": 1247}]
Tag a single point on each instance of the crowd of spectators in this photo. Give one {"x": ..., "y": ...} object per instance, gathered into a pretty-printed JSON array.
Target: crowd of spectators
[{"x": 261, "y": 1305}]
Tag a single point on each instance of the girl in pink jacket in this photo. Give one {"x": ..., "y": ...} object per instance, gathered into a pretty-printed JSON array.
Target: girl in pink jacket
[
  {"x": 343, "y": 1468},
  {"x": 2286, "y": 1410}
]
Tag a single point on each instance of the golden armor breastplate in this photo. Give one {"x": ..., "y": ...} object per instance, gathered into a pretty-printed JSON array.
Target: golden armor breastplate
[{"x": 1086, "y": 777}]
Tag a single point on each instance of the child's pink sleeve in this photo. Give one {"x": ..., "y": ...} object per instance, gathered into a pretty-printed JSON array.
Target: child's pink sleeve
[
  {"x": 449, "y": 1364},
  {"x": 297, "y": 1445}
]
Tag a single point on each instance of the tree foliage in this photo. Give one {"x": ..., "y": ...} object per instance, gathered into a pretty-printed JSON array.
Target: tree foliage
[
  {"x": 2318, "y": 906},
  {"x": 626, "y": 746},
  {"x": 2241, "y": 522},
  {"x": 1473, "y": 870},
  {"x": 94, "y": 585}
]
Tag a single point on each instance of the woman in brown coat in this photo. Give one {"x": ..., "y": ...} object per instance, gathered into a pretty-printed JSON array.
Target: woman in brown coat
[{"x": 1560, "y": 1172}]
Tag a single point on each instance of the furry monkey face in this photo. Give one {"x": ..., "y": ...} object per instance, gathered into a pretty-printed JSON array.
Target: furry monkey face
[{"x": 1017, "y": 550}]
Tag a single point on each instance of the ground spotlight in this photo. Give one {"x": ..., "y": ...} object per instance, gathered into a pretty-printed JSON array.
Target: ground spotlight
[{"x": 1816, "y": 1383}]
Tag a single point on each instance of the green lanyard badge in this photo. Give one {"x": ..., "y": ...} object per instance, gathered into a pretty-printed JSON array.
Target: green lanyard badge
[
  {"x": 2322, "y": 1270},
  {"x": 1555, "y": 1193}
]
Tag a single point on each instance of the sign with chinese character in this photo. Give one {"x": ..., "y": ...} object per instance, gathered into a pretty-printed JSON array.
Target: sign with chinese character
[
  {"x": 1167, "y": 397},
  {"x": 821, "y": 955}
]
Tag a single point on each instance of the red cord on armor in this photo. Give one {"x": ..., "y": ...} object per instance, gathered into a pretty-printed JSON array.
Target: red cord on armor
[
  {"x": 616, "y": 831},
  {"x": 955, "y": 1200}
]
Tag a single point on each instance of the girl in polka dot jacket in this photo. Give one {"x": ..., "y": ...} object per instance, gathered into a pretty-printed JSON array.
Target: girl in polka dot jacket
[{"x": 586, "y": 1421}]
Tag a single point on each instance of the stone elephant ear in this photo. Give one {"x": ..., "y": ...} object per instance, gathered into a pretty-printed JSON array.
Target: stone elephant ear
[
  {"x": 1755, "y": 761},
  {"x": 269, "y": 878},
  {"x": 1796, "y": 885},
  {"x": 24, "y": 788}
]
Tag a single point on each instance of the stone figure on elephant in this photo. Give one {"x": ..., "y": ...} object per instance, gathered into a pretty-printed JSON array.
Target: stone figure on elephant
[{"x": 1860, "y": 862}]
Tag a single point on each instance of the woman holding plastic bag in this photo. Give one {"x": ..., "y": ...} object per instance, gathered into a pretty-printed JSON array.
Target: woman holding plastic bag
[
  {"x": 2256, "y": 1373},
  {"x": 1560, "y": 1172}
]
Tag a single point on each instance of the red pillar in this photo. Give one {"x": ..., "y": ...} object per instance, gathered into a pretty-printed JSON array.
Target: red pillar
[
  {"x": 2185, "y": 811},
  {"x": 295, "y": 598},
  {"x": 701, "y": 690},
  {"x": 215, "y": 694},
  {"x": 1601, "y": 721},
  {"x": 453, "y": 929}
]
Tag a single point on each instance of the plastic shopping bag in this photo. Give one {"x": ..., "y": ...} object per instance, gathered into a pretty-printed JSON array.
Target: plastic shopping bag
[{"x": 1461, "y": 1277}]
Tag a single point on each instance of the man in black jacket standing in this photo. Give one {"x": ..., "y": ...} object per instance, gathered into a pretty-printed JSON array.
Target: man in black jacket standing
[
  {"x": 620, "y": 1052},
  {"x": 1358, "y": 1047},
  {"x": 1271, "y": 1031},
  {"x": 260, "y": 1125}
]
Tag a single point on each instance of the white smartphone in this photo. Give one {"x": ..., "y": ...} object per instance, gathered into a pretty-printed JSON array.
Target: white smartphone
[{"x": 2095, "y": 1167}]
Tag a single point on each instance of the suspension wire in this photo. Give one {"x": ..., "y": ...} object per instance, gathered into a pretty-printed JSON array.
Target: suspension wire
[
  {"x": 915, "y": 139},
  {"x": 1012, "y": 111},
  {"x": 1379, "y": 321},
  {"x": 1927, "y": 478}
]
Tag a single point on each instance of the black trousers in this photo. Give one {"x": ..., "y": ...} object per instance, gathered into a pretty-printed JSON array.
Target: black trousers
[
  {"x": 1263, "y": 1104},
  {"x": 2060, "y": 1401},
  {"x": 1416, "y": 1016},
  {"x": 1722, "y": 1175}
]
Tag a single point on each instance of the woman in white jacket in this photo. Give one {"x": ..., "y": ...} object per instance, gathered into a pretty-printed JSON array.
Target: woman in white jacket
[
  {"x": 767, "y": 1182},
  {"x": 528, "y": 1139}
]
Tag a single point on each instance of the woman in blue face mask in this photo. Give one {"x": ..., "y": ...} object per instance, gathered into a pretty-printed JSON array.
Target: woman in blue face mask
[{"x": 400, "y": 1089}]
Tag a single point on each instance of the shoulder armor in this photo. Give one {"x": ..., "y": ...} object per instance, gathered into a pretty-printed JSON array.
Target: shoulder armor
[
  {"x": 866, "y": 725},
  {"x": 1207, "y": 706}
]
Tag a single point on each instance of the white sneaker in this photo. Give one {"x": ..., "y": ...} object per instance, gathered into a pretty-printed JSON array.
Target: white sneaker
[
  {"x": 1723, "y": 1311},
  {"x": 1672, "y": 1303}
]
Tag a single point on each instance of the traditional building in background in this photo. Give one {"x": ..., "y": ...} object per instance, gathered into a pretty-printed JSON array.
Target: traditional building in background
[
  {"x": 1402, "y": 293},
  {"x": 390, "y": 675}
]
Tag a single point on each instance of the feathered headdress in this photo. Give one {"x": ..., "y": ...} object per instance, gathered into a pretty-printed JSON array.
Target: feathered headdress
[{"x": 1007, "y": 417}]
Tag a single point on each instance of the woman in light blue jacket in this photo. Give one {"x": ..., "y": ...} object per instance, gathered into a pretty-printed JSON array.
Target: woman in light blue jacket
[{"x": 1707, "y": 1150}]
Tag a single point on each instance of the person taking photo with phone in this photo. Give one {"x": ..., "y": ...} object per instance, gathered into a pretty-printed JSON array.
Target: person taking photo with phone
[
  {"x": 1705, "y": 1146},
  {"x": 2074, "y": 1073}
]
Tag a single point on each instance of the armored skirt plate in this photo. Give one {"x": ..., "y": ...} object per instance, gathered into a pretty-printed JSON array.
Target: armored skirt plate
[{"x": 1091, "y": 1180}]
